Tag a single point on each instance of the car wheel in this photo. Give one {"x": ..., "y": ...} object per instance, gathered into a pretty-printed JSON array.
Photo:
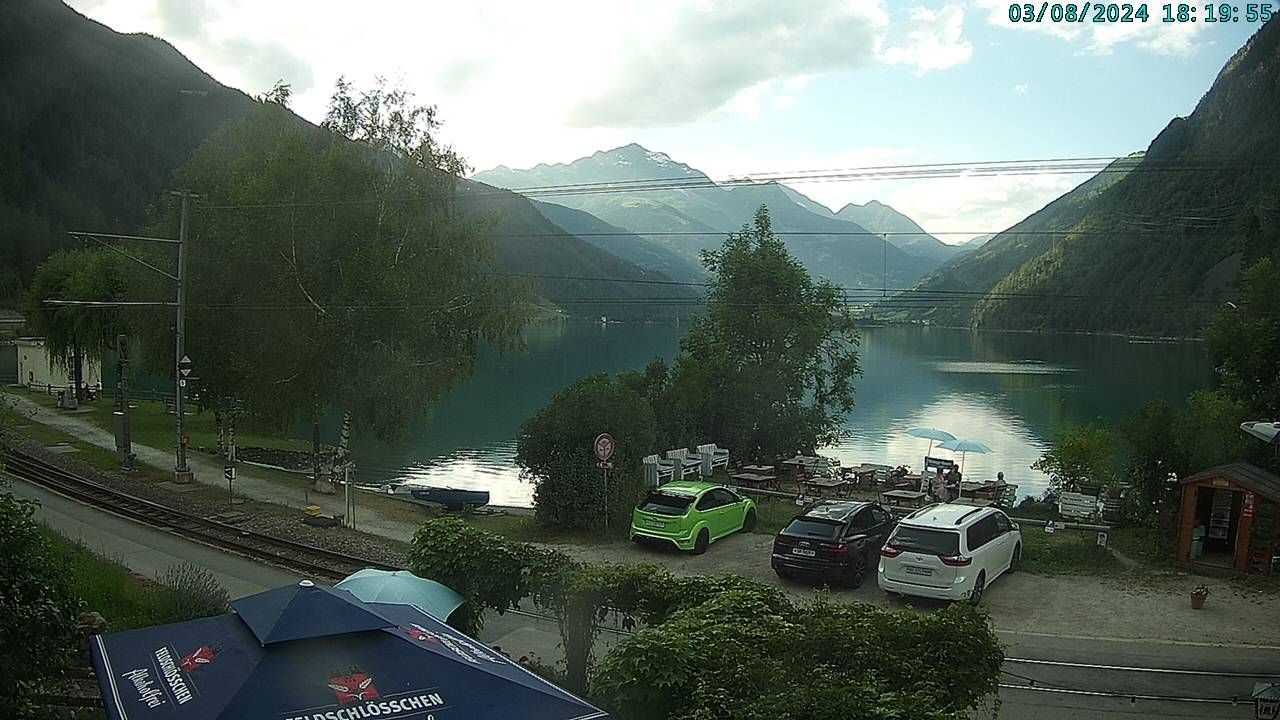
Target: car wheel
[
  {"x": 749, "y": 523},
  {"x": 857, "y": 572},
  {"x": 975, "y": 595},
  {"x": 782, "y": 573},
  {"x": 1016, "y": 562},
  {"x": 700, "y": 545}
]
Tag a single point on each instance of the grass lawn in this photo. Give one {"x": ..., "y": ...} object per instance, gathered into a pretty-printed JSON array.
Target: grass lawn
[
  {"x": 107, "y": 587},
  {"x": 1066, "y": 552},
  {"x": 150, "y": 425}
]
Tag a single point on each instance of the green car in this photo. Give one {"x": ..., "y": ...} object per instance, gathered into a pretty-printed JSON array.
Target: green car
[{"x": 691, "y": 515}]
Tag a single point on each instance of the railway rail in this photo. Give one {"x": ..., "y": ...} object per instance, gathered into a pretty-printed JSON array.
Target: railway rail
[{"x": 299, "y": 557}]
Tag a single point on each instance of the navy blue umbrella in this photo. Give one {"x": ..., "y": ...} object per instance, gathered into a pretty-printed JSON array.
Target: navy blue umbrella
[{"x": 308, "y": 652}]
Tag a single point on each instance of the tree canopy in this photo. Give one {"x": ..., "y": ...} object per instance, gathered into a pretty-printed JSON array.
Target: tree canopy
[
  {"x": 329, "y": 269},
  {"x": 1245, "y": 343},
  {"x": 768, "y": 370},
  {"x": 75, "y": 335},
  {"x": 555, "y": 452}
]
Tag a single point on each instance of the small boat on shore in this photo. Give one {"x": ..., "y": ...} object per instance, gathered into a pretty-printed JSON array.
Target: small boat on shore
[{"x": 447, "y": 497}]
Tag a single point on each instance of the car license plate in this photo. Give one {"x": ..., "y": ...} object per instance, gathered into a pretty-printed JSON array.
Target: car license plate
[
  {"x": 805, "y": 553},
  {"x": 655, "y": 523},
  {"x": 912, "y": 570}
]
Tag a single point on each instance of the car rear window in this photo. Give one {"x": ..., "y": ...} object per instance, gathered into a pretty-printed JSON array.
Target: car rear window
[
  {"x": 924, "y": 540},
  {"x": 809, "y": 527},
  {"x": 665, "y": 504}
]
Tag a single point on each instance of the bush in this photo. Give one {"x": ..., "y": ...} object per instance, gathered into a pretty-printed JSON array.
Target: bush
[
  {"x": 740, "y": 655},
  {"x": 37, "y": 610},
  {"x": 488, "y": 570},
  {"x": 555, "y": 452},
  {"x": 192, "y": 592}
]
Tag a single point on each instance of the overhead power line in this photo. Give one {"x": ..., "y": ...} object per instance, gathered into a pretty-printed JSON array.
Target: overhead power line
[{"x": 1055, "y": 166}]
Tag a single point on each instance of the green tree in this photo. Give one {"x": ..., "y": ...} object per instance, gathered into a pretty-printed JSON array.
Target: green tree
[
  {"x": 555, "y": 452},
  {"x": 1081, "y": 455},
  {"x": 1245, "y": 343},
  {"x": 37, "y": 610},
  {"x": 78, "y": 335},
  {"x": 768, "y": 370},
  {"x": 329, "y": 270}
]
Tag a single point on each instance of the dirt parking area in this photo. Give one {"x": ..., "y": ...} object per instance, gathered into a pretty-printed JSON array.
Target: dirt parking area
[{"x": 1119, "y": 607}]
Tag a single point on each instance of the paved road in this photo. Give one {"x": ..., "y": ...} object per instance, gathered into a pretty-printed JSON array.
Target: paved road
[{"x": 150, "y": 552}]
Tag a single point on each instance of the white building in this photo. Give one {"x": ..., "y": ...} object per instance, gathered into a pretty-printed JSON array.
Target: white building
[{"x": 37, "y": 370}]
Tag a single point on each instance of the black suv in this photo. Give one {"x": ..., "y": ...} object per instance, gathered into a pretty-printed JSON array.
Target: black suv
[{"x": 833, "y": 541}]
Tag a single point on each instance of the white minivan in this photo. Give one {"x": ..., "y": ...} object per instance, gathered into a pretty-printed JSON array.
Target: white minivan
[{"x": 949, "y": 552}]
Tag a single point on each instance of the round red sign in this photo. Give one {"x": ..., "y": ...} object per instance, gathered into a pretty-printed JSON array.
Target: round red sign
[{"x": 604, "y": 446}]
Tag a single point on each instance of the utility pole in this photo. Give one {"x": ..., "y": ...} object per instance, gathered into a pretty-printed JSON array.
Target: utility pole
[
  {"x": 124, "y": 441},
  {"x": 883, "y": 270},
  {"x": 183, "y": 364},
  {"x": 181, "y": 473}
]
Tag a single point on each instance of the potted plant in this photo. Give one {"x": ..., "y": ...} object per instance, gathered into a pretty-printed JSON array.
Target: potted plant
[{"x": 1198, "y": 595}]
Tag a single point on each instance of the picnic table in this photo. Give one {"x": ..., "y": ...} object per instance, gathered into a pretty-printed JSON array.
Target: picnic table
[
  {"x": 820, "y": 485},
  {"x": 913, "y": 498},
  {"x": 753, "y": 478},
  {"x": 758, "y": 469}
]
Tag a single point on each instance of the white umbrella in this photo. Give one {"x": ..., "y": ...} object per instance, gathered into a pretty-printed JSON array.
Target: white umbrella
[
  {"x": 931, "y": 434},
  {"x": 1265, "y": 431},
  {"x": 965, "y": 447}
]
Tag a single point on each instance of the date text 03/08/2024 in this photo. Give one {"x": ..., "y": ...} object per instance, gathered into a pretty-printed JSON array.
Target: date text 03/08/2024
[{"x": 1128, "y": 12}]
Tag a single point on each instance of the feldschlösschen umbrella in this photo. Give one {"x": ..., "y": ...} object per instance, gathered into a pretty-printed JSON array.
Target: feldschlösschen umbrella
[
  {"x": 1264, "y": 431},
  {"x": 402, "y": 586},
  {"x": 306, "y": 652},
  {"x": 965, "y": 447},
  {"x": 932, "y": 434}
]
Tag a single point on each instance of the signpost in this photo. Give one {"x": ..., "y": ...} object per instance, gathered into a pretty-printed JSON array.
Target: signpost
[
  {"x": 603, "y": 447},
  {"x": 1077, "y": 505}
]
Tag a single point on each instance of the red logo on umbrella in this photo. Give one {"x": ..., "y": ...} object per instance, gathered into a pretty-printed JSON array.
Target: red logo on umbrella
[
  {"x": 355, "y": 686},
  {"x": 422, "y": 635},
  {"x": 201, "y": 657}
]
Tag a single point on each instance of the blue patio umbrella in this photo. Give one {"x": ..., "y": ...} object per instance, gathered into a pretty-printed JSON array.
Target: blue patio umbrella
[
  {"x": 402, "y": 586},
  {"x": 932, "y": 434},
  {"x": 306, "y": 652},
  {"x": 965, "y": 447}
]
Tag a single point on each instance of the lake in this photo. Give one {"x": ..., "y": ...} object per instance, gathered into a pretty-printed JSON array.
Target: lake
[{"x": 1011, "y": 391}]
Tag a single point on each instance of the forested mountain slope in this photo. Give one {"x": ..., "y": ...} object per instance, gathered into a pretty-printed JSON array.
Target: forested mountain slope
[
  {"x": 93, "y": 124},
  {"x": 1155, "y": 249}
]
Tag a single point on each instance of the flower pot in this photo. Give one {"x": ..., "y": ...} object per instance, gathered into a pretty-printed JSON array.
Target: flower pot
[{"x": 1197, "y": 600}]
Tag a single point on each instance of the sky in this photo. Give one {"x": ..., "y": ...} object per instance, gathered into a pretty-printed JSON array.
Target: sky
[{"x": 733, "y": 88}]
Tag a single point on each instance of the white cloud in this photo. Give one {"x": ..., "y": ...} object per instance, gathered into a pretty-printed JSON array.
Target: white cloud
[
  {"x": 696, "y": 58},
  {"x": 976, "y": 205},
  {"x": 935, "y": 42},
  {"x": 1020, "y": 89}
]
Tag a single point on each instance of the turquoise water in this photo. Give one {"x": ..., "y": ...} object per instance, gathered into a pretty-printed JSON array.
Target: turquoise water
[{"x": 1011, "y": 391}]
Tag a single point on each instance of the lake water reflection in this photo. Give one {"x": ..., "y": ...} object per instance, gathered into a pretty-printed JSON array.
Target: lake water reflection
[{"x": 1011, "y": 391}]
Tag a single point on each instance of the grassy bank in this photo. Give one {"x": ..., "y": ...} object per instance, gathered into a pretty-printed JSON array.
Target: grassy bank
[
  {"x": 151, "y": 425},
  {"x": 109, "y": 589}
]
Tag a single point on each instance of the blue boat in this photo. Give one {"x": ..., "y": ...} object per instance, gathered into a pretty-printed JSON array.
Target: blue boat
[{"x": 451, "y": 498}]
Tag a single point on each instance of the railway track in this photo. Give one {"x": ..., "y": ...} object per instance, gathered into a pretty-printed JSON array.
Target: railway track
[{"x": 309, "y": 560}]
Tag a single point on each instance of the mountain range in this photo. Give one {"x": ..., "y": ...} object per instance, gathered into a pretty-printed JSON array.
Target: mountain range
[
  {"x": 678, "y": 211},
  {"x": 93, "y": 124}
]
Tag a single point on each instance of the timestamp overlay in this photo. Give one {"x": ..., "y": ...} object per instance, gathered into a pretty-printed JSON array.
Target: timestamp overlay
[{"x": 1104, "y": 12}]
